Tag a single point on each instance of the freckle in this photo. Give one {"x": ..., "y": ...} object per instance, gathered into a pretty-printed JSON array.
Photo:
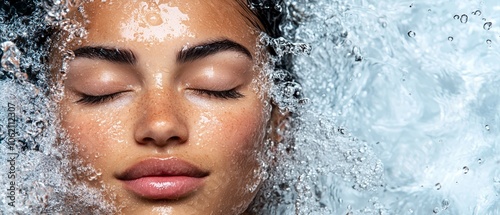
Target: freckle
[{"x": 154, "y": 19}]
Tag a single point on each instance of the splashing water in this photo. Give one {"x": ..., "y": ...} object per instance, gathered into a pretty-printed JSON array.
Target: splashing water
[
  {"x": 37, "y": 174},
  {"x": 420, "y": 98},
  {"x": 399, "y": 112}
]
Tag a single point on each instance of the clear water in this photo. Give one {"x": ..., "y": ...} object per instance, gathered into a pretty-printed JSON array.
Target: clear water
[
  {"x": 401, "y": 115},
  {"x": 417, "y": 81}
]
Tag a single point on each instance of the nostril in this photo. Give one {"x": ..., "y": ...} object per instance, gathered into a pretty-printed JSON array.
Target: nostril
[
  {"x": 161, "y": 142},
  {"x": 148, "y": 140},
  {"x": 175, "y": 139}
]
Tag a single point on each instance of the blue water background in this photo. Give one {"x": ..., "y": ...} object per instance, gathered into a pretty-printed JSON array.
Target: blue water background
[{"x": 421, "y": 88}]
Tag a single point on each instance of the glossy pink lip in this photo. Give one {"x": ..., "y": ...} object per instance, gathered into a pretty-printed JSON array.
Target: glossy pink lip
[{"x": 156, "y": 178}]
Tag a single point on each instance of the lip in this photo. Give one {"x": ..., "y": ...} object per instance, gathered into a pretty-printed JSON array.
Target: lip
[{"x": 157, "y": 178}]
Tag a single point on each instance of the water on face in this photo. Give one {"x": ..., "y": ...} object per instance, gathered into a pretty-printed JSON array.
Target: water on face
[{"x": 398, "y": 116}]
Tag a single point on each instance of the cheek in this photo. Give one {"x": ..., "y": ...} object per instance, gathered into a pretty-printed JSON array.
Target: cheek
[
  {"x": 95, "y": 134},
  {"x": 235, "y": 140},
  {"x": 233, "y": 133}
]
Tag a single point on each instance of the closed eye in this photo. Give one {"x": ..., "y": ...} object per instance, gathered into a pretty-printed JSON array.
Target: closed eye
[
  {"x": 225, "y": 94},
  {"x": 92, "y": 100}
]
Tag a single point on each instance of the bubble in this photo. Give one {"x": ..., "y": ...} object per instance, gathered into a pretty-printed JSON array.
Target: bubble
[
  {"x": 356, "y": 52},
  {"x": 487, "y": 26},
  {"x": 477, "y": 13},
  {"x": 40, "y": 124},
  {"x": 488, "y": 41},
  {"x": 450, "y": 38},
  {"x": 487, "y": 127},
  {"x": 11, "y": 56},
  {"x": 464, "y": 18},
  {"x": 445, "y": 204},
  {"x": 344, "y": 34},
  {"x": 480, "y": 161},
  {"x": 382, "y": 21},
  {"x": 456, "y": 17},
  {"x": 411, "y": 34},
  {"x": 435, "y": 210},
  {"x": 466, "y": 169},
  {"x": 438, "y": 186}
]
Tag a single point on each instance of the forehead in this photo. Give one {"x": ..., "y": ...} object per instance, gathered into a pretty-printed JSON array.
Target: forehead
[{"x": 160, "y": 21}]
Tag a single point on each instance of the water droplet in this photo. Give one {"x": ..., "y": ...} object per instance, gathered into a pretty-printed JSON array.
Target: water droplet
[
  {"x": 487, "y": 26},
  {"x": 438, "y": 186},
  {"x": 456, "y": 17},
  {"x": 92, "y": 178},
  {"x": 435, "y": 210},
  {"x": 445, "y": 204},
  {"x": 344, "y": 34},
  {"x": 40, "y": 124},
  {"x": 356, "y": 51},
  {"x": 11, "y": 56},
  {"x": 154, "y": 19},
  {"x": 411, "y": 34},
  {"x": 464, "y": 18},
  {"x": 480, "y": 161},
  {"x": 382, "y": 21},
  {"x": 450, "y": 38},
  {"x": 466, "y": 169},
  {"x": 487, "y": 127},
  {"x": 477, "y": 13}
]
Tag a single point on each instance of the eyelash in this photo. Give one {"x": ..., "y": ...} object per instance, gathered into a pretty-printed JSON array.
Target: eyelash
[
  {"x": 91, "y": 100},
  {"x": 226, "y": 94}
]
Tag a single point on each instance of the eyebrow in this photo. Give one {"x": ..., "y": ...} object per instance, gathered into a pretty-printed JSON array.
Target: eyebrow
[
  {"x": 210, "y": 48},
  {"x": 186, "y": 55},
  {"x": 106, "y": 53}
]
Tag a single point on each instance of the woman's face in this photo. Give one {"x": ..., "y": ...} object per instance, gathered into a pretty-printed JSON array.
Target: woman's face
[{"x": 161, "y": 98}]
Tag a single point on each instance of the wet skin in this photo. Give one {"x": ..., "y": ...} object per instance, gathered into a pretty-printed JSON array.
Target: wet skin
[{"x": 164, "y": 94}]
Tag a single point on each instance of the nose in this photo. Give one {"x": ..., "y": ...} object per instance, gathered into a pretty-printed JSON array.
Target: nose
[{"x": 160, "y": 122}]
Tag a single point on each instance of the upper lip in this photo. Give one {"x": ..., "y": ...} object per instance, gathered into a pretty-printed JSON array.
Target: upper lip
[{"x": 161, "y": 167}]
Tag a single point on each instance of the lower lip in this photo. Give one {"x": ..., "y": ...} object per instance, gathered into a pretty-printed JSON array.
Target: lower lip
[{"x": 164, "y": 187}]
